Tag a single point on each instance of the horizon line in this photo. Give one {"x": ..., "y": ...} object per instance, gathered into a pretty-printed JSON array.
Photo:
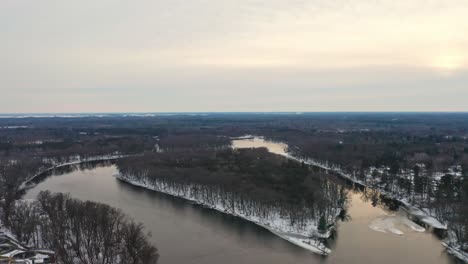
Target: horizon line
[{"x": 223, "y": 112}]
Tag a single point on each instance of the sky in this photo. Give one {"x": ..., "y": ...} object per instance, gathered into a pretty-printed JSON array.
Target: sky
[{"x": 233, "y": 55}]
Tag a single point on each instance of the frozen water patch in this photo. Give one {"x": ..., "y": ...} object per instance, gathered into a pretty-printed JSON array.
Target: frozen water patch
[
  {"x": 392, "y": 224},
  {"x": 385, "y": 224},
  {"x": 412, "y": 225}
]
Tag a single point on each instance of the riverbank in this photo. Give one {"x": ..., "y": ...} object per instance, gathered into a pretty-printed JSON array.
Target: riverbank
[
  {"x": 310, "y": 240},
  {"x": 419, "y": 214},
  {"x": 456, "y": 251},
  {"x": 29, "y": 183},
  {"x": 412, "y": 210},
  {"x": 277, "y": 225},
  {"x": 280, "y": 148}
]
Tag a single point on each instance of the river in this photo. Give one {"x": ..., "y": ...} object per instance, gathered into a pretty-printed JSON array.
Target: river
[{"x": 186, "y": 233}]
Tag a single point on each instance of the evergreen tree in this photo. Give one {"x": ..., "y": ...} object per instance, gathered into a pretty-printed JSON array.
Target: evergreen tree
[{"x": 322, "y": 226}]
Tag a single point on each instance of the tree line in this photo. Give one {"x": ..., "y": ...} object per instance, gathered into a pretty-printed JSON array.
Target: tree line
[
  {"x": 81, "y": 231},
  {"x": 253, "y": 182}
]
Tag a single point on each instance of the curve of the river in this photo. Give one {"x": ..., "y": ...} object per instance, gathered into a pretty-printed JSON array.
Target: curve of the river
[{"x": 186, "y": 233}]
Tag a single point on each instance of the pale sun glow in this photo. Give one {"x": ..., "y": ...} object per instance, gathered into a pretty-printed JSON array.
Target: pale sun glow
[
  {"x": 449, "y": 62},
  {"x": 201, "y": 55}
]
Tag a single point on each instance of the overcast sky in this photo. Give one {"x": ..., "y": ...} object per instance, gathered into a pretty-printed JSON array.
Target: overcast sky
[{"x": 233, "y": 55}]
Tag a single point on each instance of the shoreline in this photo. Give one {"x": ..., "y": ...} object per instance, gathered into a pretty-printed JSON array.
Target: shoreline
[
  {"x": 456, "y": 251},
  {"x": 309, "y": 243},
  {"x": 412, "y": 210},
  {"x": 27, "y": 184},
  {"x": 305, "y": 242}
]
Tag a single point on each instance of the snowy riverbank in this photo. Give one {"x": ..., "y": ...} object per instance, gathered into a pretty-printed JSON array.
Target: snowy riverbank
[
  {"x": 456, "y": 251},
  {"x": 412, "y": 210},
  {"x": 421, "y": 214},
  {"x": 306, "y": 237},
  {"x": 29, "y": 182}
]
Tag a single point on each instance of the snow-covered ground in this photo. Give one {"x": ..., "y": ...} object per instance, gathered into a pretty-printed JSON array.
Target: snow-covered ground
[
  {"x": 306, "y": 236},
  {"x": 413, "y": 210},
  {"x": 76, "y": 160},
  {"x": 7, "y": 233},
  {"x": 423, "y": 216},
  {"x": 456, "y": 251}
]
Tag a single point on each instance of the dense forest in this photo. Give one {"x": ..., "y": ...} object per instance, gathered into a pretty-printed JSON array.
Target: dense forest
[
  {"x": 421, "y": 158},
  {"x": 250, "y": 182},
  {"x": 80, "y": 232}
]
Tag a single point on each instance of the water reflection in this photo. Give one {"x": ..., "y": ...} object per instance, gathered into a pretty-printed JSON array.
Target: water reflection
[
  {"x": 259, "y": 142},
  {"x": 186, "y": 233},
  {"x": 231, "y": 226}
]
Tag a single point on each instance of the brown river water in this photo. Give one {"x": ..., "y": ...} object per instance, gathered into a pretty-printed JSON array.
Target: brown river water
[{"x": 186, "y": 233}]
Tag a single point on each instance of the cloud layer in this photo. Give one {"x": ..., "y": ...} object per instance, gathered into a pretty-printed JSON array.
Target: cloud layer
[{"x": 244, "y": 55}]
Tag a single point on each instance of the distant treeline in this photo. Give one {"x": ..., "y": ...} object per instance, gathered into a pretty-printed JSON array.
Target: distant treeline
[{"x": 352, "y": 140}]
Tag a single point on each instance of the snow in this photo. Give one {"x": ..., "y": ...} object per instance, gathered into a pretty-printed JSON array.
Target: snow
[
  {"x": 245, "y": 137},
  {"x": 390, "y": 223},
  {"x": 456, "y": 251},
  {"x": 304, "y": 242},
  {"x": 7, "y": 233},
  {"x": 423, "y": 216},
  {"x": 78, "y": 160},
  {"x": 306, "y": 236},
  {"x": 413, "y": 210}
]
